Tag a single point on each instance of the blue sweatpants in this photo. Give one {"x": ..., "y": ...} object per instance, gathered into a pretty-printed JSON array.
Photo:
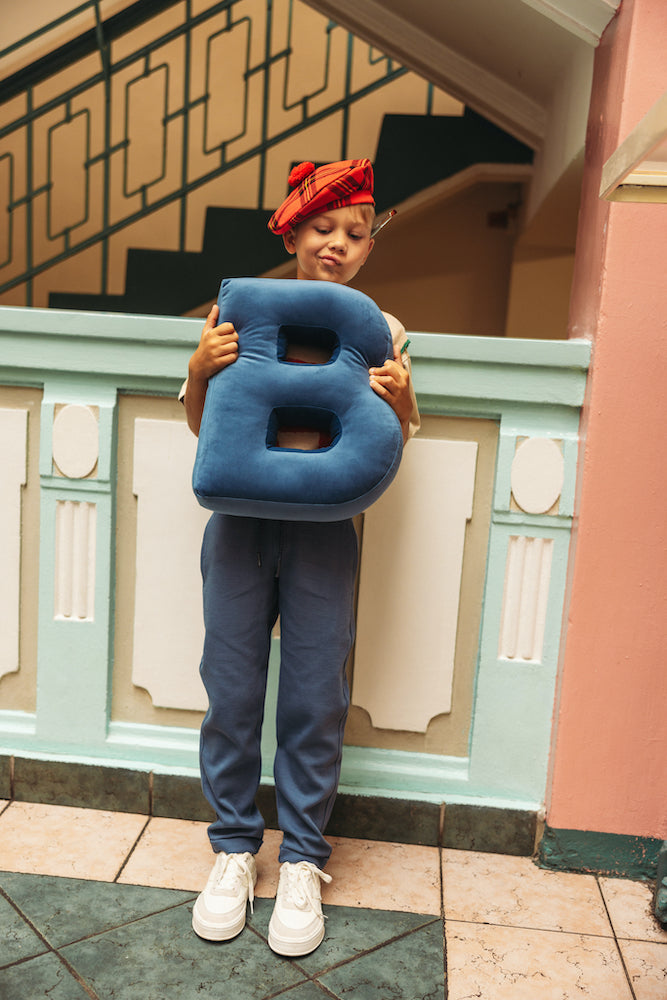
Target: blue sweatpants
[{"x": 254, "y": 570}]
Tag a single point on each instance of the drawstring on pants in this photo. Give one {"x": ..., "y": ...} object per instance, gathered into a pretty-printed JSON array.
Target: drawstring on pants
[{"x": 263, "y": 529}]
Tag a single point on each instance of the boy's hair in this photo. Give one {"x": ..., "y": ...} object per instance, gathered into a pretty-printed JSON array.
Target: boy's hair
[
  {"x": 365, "y": 212},
  {"x": 368, "y": 213},
  {"x": 316, "y": 190}
]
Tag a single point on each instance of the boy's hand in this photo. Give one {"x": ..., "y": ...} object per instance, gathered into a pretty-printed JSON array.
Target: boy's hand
[
  {"x": 392, "y": 382},
  {"x": 218, "y": 347}
]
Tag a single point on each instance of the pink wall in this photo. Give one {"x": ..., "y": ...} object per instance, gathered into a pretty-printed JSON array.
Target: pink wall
[{"x": 609, "y": 763}]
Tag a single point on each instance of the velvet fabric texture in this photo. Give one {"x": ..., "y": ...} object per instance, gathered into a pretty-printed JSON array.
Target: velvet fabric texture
[{"x": 239, "y": 467}]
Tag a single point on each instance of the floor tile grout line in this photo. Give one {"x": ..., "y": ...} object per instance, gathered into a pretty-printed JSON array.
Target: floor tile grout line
[
  {"x": 381, "y": 945},
  {"x": 127, "y": 923},
  {"x": 132, "y": 850},
  {"x": 96, "y": 934},
  {"x": 75, "y": 975},
  {"x": 325, "y": 989},
  {"x": 50, "y": 949},
  {"x": 306, "y": 977},
  {"x": 536, "y": 930},
  {"x": 295, "y": 986},
  {"x": 313, "y": 977},
  {"x": 616, "y": 941},
  {"x": 445, "y": 969}
]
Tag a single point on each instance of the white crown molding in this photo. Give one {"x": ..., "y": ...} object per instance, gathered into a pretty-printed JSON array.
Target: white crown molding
[
  {"x": 586, "y": 19},
  {"x": 451, "y": 187},
  {"x": 464, "y": 79}
]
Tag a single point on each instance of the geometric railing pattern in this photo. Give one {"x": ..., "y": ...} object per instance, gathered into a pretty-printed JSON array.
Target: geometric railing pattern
[{"x": 155, "y": 102}]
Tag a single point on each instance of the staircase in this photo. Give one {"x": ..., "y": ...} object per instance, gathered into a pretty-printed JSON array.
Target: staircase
[
  {"x": 414, "y": 152},
  {"x": 236, "y": 243}
]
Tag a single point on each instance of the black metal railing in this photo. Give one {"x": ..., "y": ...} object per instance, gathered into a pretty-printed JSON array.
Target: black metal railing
[{"x": 76, "y": 120}]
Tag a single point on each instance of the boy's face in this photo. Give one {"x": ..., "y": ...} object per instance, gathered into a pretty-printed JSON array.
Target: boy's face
[{"x": 332, "y": 246}]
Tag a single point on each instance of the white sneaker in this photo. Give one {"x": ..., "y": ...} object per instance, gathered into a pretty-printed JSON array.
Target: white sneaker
[
  {"x": 297, "y": 924},
  {"x": 220, "y": 910}
]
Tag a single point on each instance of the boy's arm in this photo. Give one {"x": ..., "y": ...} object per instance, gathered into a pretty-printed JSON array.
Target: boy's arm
[
  {"x": 392, "y": 383},
  {"x": 218, "y": 347}
]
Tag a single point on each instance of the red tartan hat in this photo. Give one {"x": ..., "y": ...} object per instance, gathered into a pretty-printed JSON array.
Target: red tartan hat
[{"x": 318, "y": 189}]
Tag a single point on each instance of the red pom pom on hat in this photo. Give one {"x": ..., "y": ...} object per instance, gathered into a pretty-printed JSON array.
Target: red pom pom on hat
[{"x": 299, "y": 173}]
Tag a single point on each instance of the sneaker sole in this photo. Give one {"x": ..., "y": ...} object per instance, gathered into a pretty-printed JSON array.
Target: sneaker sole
[
  {"x": 213, "y": 932},
  {"x": 291, "y": 948}
]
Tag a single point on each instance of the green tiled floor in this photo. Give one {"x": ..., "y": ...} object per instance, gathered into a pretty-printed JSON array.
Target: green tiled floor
[{"x": 68, "y": 939}]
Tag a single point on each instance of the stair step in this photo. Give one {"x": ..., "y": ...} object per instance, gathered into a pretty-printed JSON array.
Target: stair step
[
  {"x": 413, "y": 153},
  {"x": 416, "y": 151},
  {"x": 88, "y": 302},
  {"x": 236, "y": 244}
]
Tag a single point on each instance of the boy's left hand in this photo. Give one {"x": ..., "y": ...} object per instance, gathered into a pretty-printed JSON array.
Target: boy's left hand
[{"x": 392, "y": 382}]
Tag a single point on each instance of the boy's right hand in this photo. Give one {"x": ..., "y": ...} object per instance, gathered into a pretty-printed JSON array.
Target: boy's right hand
[{"x": 218, "y": 347}]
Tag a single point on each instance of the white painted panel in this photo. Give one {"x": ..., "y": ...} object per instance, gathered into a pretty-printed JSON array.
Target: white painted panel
[
  {"x": 537, "y": 475},
  {"x": 168, "y": 623},
  {"x": 410, "y": 583},
  {"x": 13, "y": 443},
  {"x": 75, "y": 441},
  {"x": 74, "y": 584},
  {"x": 527, "y": 576}
]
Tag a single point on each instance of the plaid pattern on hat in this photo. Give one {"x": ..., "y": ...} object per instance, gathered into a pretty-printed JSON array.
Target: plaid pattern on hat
[{"x": 334, "y": 185}]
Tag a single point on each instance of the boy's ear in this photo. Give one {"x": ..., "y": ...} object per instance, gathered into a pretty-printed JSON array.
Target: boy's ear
[
  {"x": 371, "y": 244},
  {"x": 289, "y": 239}
]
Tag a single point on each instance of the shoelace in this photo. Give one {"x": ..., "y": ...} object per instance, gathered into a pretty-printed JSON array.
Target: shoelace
[
  {"x": 298, "y": 884},
  {"x": 232, "y": 874}
]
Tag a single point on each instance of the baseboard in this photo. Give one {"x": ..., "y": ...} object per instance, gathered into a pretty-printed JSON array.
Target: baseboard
[
  {"x": 461, "y": 826},
  {"x": 612, "y": 854}
]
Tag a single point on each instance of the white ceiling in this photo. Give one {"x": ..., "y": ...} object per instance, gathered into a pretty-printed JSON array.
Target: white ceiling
[{"x": 503, "y": 58}]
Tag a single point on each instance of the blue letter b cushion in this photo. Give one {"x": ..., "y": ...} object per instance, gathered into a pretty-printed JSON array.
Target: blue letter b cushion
[{"x": 244, "y": 463}]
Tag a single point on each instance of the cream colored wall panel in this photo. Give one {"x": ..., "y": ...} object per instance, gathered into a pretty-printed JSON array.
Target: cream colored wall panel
[
  {"x": 75, "y": 441},
  {"x": 75, "y": 551},
  {"x": 13, "y": 442},
  {"x": 410, "y": 584},
  {"x": 527, "y": 576},
  {"x": 537, "y": 475},
  {"x": 168, "y": 624}
]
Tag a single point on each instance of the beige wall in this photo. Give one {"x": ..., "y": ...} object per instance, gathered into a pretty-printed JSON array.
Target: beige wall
[
  {"x": 445, "y": 269},
  {"x": 543, "y": 262},
  {"x": 539, "y": 297}
]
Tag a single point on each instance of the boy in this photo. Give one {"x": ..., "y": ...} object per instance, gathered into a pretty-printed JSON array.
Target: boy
[{"x": 254, "y": 569}]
